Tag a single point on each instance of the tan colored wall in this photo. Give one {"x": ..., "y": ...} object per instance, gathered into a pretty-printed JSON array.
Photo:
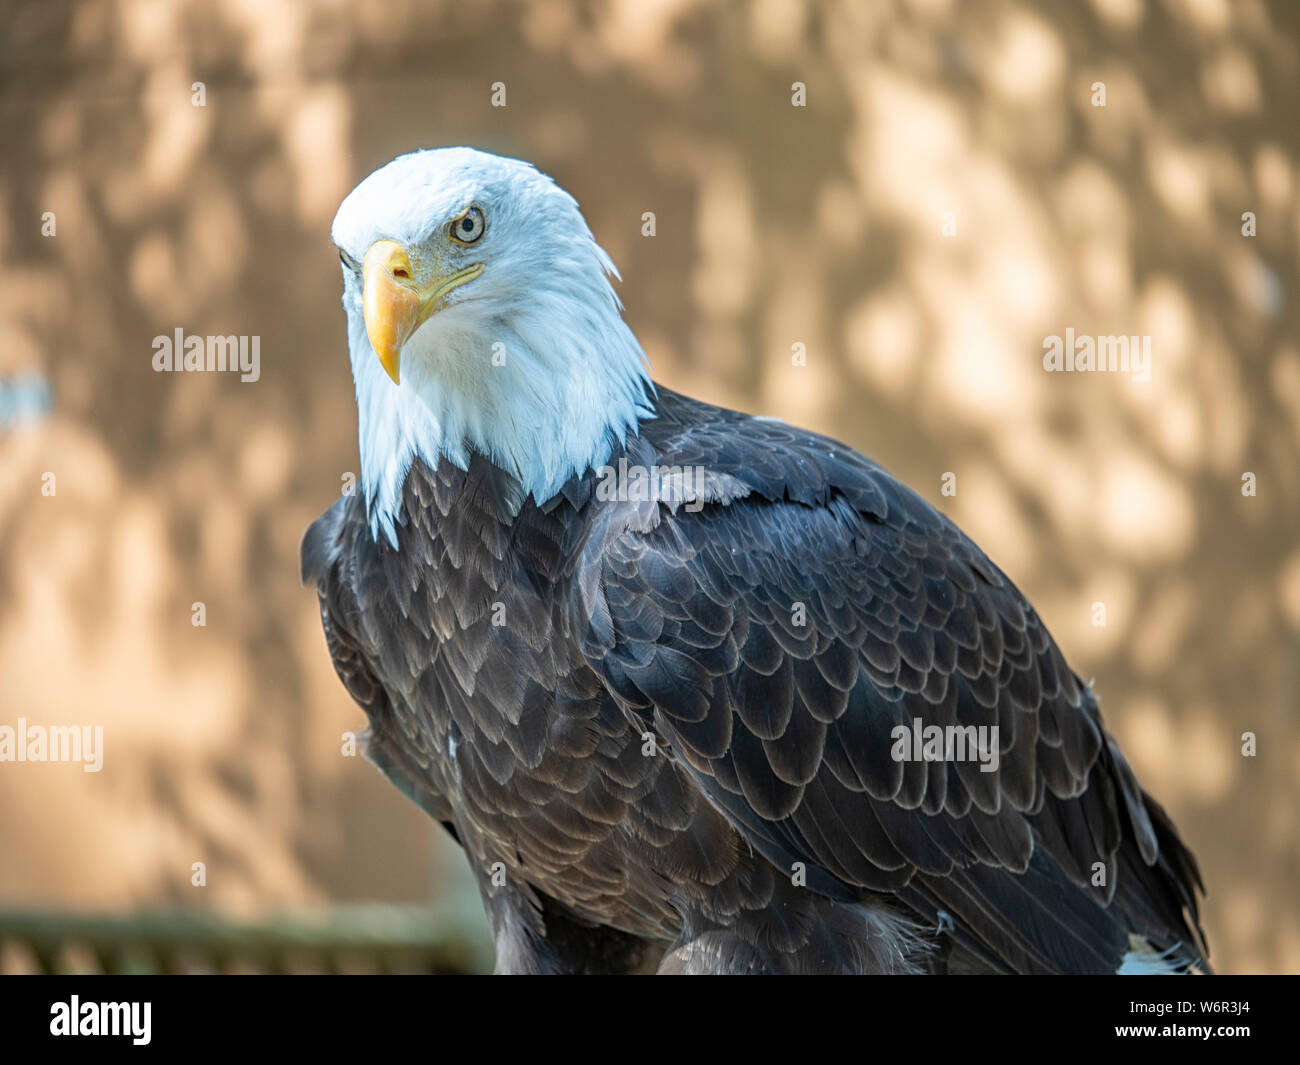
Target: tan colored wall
[{"x": 775, "y": 225}]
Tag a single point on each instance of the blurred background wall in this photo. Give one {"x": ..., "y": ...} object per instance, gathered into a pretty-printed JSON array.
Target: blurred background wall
[{"x": 949, "y": 195}]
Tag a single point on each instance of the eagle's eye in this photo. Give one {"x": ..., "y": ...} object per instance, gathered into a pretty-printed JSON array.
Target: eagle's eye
[{"x": 468, "y": 228}]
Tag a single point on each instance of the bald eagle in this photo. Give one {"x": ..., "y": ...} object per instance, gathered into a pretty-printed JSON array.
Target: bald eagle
[{"x": 695, "y": 691}]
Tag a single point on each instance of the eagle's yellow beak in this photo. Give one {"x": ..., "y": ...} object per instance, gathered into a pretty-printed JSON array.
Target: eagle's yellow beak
[{"x": 397, "y": 302}]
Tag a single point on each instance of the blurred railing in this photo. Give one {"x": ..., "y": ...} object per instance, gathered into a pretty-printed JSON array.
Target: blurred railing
[{"x": 347, "y": 939}]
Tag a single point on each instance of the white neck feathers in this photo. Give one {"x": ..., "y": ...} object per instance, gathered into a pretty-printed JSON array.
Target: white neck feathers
[{"x": 544, "y": 396}]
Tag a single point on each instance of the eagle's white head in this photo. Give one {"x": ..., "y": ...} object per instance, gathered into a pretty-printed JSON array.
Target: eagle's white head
[{"x": 481, "y": 318}]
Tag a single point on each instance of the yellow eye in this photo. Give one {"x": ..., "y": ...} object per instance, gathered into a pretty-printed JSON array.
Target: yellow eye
[{"x": 469, "y": 227}]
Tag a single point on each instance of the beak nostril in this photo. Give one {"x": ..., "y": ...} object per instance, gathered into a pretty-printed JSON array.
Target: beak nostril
[{"x": 399, "y": 272}]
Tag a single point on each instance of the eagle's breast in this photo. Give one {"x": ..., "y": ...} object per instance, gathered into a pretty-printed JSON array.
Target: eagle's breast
[{"x": 541, "y": 770}]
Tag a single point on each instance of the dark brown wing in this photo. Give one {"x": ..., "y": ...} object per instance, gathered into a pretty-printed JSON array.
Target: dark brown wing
[
  {"x": 328, "y": 550},
  {"x": 778, "y": 639}
]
